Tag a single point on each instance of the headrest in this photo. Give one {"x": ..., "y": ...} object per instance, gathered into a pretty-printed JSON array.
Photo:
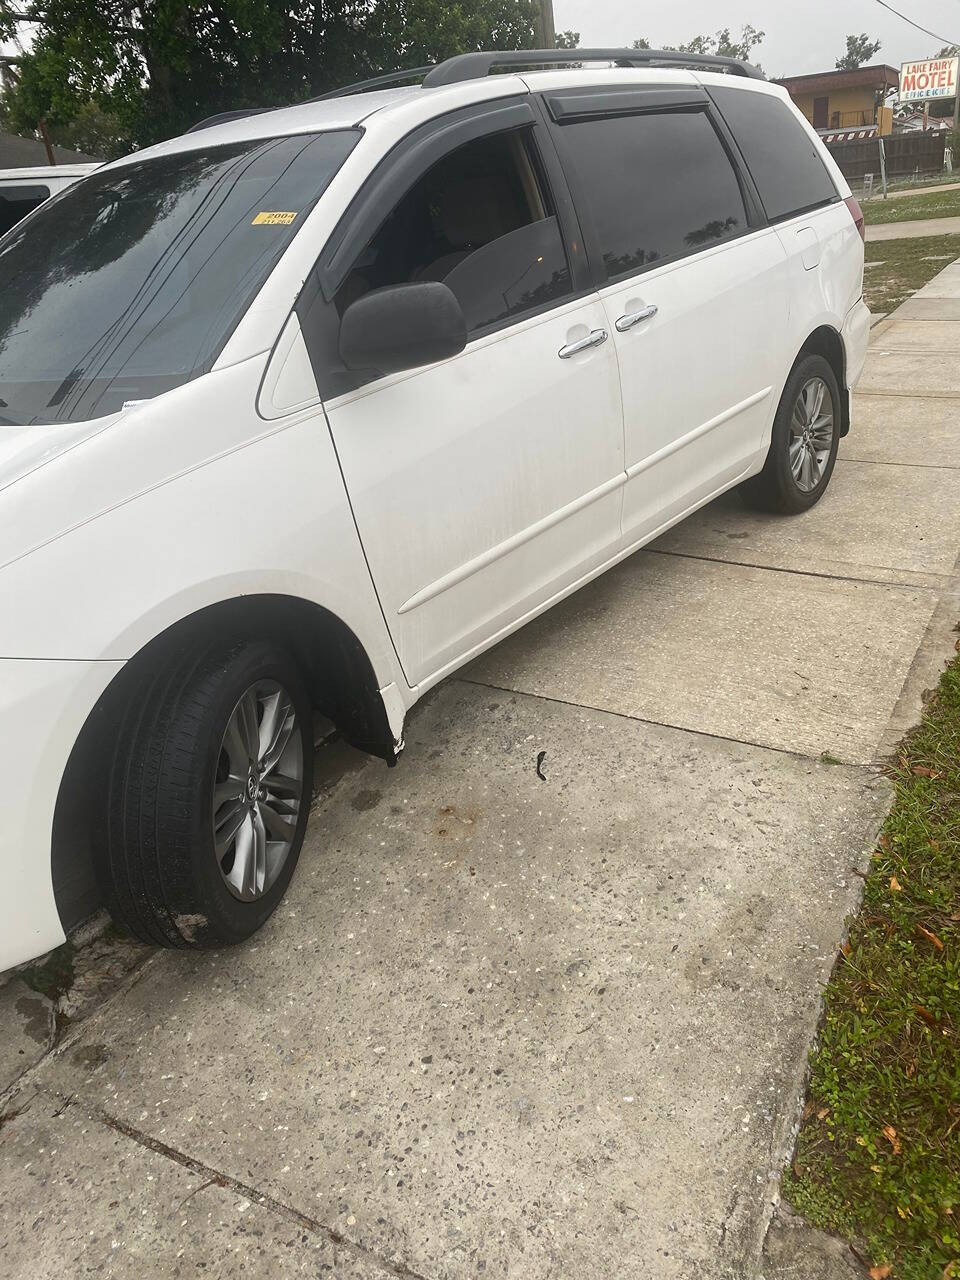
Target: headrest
[{"x": 475, "y": 211}]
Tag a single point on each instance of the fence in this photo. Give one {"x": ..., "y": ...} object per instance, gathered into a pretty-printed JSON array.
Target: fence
[{"x": 907, "y": 155}]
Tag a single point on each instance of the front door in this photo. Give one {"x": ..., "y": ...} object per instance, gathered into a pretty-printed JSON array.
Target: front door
[
  {"x": 693, "y": 287},
  {"x": 484, "y": 485}
]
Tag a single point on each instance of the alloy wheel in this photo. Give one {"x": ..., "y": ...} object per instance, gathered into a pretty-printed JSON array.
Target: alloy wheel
[
  {"x": 258, "y": 790},
  {"x": 812, "y": 430}
]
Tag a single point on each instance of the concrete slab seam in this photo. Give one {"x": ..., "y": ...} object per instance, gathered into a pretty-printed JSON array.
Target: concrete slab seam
[
  {"x": 658, "y": 724},
  {"x": 217, "y": 1178},
  {"x": 800, "y": 573}
]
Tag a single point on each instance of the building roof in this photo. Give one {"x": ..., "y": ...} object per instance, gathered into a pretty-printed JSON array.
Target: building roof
[
  {"x": 874, "y": 77},
  {"x": 24, "y": 153}
]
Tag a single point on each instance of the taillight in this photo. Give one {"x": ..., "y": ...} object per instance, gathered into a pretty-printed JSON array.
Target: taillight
[{"x": 856, "y": 213}]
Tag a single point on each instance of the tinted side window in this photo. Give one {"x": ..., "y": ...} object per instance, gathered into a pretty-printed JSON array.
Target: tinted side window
[
  {"x": 17, "y": 202},
  {"x": 481, "y": 221},
  {"x": 658, "y": 186},
  {"x": 781, "y": 156}
]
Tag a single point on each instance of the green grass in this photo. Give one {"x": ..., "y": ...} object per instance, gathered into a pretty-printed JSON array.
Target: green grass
[
  {"x": 938, "y": 204},
  {"x": 903, "y": 267},
  {"x": 878, "y": 1156}
]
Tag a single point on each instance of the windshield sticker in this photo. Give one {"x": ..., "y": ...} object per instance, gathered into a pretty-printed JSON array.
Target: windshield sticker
[{"x": 273, "y": 219}]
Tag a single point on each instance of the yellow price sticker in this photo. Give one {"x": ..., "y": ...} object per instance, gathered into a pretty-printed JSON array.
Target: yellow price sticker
[{"x": 273, "y": 219}]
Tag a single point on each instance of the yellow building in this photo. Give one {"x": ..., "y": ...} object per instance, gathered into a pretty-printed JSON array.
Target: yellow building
[{"x": 842, "y": 101}]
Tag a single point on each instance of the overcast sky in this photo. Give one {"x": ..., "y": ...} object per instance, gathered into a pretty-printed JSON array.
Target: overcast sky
[{"x": 801, "y": 35}]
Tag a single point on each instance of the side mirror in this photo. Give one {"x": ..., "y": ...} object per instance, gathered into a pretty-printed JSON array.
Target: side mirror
[{"x": 402, "y": 327}]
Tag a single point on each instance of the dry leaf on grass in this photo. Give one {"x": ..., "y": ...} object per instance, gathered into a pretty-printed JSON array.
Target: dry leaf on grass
[
  {"x": 890, "y": 1133},
  {"x": 845, "y": 949},
  {"x": 922, "y": 771},
  {"x": 882, "y": 1272},
  {"x": 925, "y": 1014},
  {"x": 895, "y": 885},
  {"x": 930, "y": 937}
]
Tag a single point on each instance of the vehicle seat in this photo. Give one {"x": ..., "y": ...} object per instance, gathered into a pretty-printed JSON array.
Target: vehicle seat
[{"x": 472, "y": 212}]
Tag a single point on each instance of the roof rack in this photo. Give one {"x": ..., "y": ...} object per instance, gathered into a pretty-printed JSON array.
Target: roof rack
[
  {"x": 223, "y": 116},
  {"x": 378, "y": 82},
  {"x": 473, "y": 66}
]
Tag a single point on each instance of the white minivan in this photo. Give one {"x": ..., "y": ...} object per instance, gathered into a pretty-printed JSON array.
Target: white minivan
[{"x": 301, "y": 411}]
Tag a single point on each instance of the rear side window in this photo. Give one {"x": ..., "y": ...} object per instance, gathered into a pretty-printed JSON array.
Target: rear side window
[
  {"x": 658, "y": 187},
  {"x": 781, "y": 156},
  {"x": 17, "y": 201}
]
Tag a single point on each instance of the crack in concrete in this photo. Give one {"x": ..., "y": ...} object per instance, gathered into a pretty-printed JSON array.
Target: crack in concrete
[
  {"x": 657, "y": 724},
  {"x": 217, "y": 1178},
  {"x": 910, "y": 395},
  {"x": 917, "y": 466},
  {"x": 804, "y": 573}
]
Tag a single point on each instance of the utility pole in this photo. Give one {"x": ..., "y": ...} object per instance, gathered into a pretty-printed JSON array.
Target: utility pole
[{"x": 546, "y": 27}]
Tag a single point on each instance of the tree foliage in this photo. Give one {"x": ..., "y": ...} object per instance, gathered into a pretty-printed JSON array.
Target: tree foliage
[
  {"x": 860, "y": 50},
  {"x": 722, "y": 43},
  {"x": 158, "y": 67}
]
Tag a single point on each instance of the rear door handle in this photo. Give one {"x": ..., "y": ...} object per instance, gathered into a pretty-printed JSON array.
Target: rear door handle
[
  {"x": 625, "y": 323},
  {"x": 595, "y": 339}
]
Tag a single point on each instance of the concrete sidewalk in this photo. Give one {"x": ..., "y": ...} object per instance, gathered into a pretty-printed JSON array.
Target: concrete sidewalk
[
  {"x": 913, "y": 230},
  {"x": 931, "y": 189},
  {"x": 544, "y": 1030}
]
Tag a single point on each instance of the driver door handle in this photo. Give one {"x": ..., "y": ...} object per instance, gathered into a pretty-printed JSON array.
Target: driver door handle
[
  {"x": 625, "y": 323},
  {"x": 595, "y": 339}
]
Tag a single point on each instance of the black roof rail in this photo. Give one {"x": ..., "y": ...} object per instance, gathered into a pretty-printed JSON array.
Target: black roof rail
[
  {"x": 378, "y": 82},
  {"x": 224, "y": 116},
  {"x": 473, "y": 66}
]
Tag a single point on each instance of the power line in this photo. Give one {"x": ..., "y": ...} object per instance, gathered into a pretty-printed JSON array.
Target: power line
[{"x": 925, "y": 30}]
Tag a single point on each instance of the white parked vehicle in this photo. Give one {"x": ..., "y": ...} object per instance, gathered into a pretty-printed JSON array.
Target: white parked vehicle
[
  {"x": 303, "y": 410},
  {"x": 23, "y": 190}
]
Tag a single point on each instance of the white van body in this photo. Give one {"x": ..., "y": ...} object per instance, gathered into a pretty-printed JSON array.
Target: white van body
[{"x": 385, "y": 528}]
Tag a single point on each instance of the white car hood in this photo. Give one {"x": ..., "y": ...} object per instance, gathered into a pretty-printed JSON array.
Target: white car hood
[{"x": 26, "y": 449}]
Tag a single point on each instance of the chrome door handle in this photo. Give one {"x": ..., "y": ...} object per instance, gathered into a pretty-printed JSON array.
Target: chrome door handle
[
  {"x": 626, "y": 323},
  {"x": 595, "y": 339}
]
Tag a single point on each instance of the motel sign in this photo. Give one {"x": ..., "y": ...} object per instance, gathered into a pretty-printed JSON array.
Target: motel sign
[{"x": 934, "y": 78}]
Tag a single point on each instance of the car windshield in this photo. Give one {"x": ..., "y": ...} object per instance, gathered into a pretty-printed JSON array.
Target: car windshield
[{"x": 131, "y": 281}]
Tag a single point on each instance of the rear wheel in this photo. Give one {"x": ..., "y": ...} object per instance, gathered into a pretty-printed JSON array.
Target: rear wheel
[
  {"x": 208, "y": 797},
  {"x": 803, "y": 447}
]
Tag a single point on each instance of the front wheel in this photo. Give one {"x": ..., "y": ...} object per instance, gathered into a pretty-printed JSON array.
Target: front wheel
[
  {"x": 208, "y": 797},
  {"x": 803, "y": 447}
]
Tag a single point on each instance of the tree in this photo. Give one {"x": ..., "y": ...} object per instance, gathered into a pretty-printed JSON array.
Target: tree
[
  {"x": 158, "y": 68},
  {"x": 742, "y": 49},
  {"x": 860, "y": 49},
  {"x": 568, "y": 39},
  {"x": 723, "y": 44}
]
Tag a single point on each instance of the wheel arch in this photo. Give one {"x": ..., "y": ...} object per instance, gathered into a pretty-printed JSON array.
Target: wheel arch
[
  {"x": 826, "y": 341},
  {"x": 339, "y": 676}
]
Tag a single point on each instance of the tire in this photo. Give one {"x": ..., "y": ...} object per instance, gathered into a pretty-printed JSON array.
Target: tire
[
  {"x": 779, "y": 487},
  {"x": 166, "y": 873}
]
